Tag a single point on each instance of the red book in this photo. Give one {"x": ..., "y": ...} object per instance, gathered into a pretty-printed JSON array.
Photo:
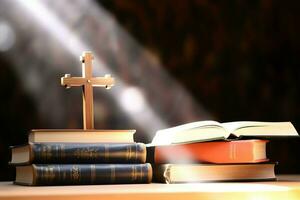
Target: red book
[{"x": 238, "y": 151}]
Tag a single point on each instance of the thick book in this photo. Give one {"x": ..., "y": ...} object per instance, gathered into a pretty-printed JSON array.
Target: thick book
[
  {"x": 80, "y": 136},
  {"x": 239, "y": 151},
  {"x": 83, "y": 174},
  {"x": 186, "y": 173},
  {"x": 68, "y": 153},
  {"x": 212, "y": 130}
]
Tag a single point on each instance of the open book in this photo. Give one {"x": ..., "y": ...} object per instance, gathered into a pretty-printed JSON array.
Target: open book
[{"x": 212, "y": 130}]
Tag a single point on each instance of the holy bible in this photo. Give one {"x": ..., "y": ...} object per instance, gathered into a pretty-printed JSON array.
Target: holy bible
[
  {"x": 82, "y": 174},
  {"x": 212, "y": 130},
  {"x": 76, "y": 153}
]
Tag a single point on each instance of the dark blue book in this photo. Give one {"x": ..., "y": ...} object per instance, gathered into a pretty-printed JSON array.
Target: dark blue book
[
  {"x": 66, "y": 153},
  {"x": 83, "y": 174}
]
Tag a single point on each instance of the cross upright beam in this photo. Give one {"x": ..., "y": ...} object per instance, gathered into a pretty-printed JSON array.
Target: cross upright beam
[{"x": 87, "y": 81}]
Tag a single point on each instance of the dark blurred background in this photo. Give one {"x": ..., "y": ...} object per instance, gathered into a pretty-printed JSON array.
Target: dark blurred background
[{"x": 175, "y": 62}]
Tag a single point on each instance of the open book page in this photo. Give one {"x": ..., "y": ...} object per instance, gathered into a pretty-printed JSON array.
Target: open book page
[
  {"x": 253, "y": 128},
  {"x": 191, "y": 132}
]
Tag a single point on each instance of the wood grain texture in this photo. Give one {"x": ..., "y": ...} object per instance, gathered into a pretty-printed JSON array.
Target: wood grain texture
[{"x": 288, "y": 187}]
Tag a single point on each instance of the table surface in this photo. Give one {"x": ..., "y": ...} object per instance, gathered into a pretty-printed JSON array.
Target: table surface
[{"x": 287, "y": 188}]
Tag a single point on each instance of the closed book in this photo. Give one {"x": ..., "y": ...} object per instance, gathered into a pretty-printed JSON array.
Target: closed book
[
  {"x": 185, "y": 173},
  {"x": 80, "y": 136},
  {"x": 83, "y": 174},
  {"x": 68, "y": 153},
  {"x": 238, "y": 151}
]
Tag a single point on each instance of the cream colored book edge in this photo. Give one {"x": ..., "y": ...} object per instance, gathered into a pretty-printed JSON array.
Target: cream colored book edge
[
  {"x": 185, "y": 173},
  {"x": 81, "y": 136},
  {"x": 212, "y": 130}
]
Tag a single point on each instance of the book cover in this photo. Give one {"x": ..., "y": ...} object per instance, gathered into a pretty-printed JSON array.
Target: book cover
[
  {"x": 238, "y": 151},
  {"x": 82, "y": 174},
  {"x": 68, "y": 153}
]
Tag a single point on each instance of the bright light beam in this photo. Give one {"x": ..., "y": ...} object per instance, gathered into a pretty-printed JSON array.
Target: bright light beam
[
  {"x": 49, "y": 21},
  {"x": 59, "y": 21},
  {"x": 7, "y": 36}
]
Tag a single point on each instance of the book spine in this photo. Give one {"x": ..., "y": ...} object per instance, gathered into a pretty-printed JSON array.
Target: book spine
[
  {"x": 92, "y": 174},
  {"x": 88, "y": 153},
  {"x": 242, "y": 151}
]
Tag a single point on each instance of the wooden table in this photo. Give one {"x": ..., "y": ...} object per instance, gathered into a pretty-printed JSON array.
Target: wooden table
[{"x": 286, "y": 188}]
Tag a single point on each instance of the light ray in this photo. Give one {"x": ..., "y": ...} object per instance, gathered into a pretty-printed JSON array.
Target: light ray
[{"x": 69, "y": 29}]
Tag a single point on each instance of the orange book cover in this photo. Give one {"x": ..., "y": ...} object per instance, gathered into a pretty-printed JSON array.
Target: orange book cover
[{"x": 239, "y": 151}]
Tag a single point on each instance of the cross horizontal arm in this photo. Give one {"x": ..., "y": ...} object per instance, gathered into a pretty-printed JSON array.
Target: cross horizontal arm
[
  {"x": 103, "y": 82},
  {"x": 106, "y": 81},
  {"x": 73, "y": 81}
]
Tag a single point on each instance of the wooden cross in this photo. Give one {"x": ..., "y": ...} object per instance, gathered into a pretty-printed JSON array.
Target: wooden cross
[{"x": 87, "y": 81}]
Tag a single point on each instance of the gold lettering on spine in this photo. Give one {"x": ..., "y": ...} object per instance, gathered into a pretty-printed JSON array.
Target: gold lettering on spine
[
  {"x": 48, "y": 174},
  {"x": 90, "y": 153},
  {"x": 93, "y": 154},
  {"x": 127, "y": 153},
  {"x": 46, "y": 152},
  {"x": 75, "y": 173},
  {"x": 93, "y": 173},
  {"x": 133, "y": 173},
  {"x": 130, "y": 152}
]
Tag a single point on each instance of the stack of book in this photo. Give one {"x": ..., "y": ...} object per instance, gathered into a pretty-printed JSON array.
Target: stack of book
[
  {"x": 212, "y": 151},
  {"x": 72, "y": 157}
]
